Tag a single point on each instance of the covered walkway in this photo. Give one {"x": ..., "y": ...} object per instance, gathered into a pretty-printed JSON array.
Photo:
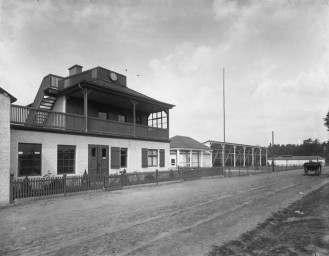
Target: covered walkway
[{"x": 233, "y": 154}]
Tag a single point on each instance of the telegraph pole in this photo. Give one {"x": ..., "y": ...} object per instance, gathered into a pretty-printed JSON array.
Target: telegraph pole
[{"x": 272, "y": 151}]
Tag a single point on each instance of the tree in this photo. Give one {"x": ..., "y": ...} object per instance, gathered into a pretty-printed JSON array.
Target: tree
[{"x": 326, "y": 121}]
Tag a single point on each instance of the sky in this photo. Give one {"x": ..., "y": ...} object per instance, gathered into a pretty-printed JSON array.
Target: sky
[{"x": 275, "y": 54}]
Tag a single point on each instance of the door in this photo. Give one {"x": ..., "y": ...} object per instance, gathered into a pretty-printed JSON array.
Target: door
[{"x": 98, "y": 160}]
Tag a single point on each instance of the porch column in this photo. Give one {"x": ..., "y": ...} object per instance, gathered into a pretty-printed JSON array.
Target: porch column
[
  {"x": 266, "y": 157},
  {"x": 85, "y": 92},
  {"x": 252, "y": 157},
  {"x": 244, "y": 156},
  {"x": 134, "y": 116},
  {"x": 211, "y": 163},
  {"x": 234, "y": 147},
  {"x": 260, "y": 157},
  {"x": 201, "y": 160},
  {"x": 177, "y": 158},
  {"x": 167, "y": 112},
  {"x": 190, "y": 158}
]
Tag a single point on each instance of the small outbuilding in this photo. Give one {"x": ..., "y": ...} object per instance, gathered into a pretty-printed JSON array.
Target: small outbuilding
[
  {"x": 187, "y": 152},
  {"x": 294, "y": 160}
]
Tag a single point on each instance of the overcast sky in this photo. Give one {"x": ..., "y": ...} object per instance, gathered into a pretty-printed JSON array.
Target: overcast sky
[{"x": 275, "y": 55}]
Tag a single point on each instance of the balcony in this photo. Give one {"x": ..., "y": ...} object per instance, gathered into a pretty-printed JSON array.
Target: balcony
[{"x": 31, "y": 117}]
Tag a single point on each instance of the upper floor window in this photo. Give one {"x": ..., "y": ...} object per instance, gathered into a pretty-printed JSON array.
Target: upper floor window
[
  {"x": 102, "y": 115},
  {"x": 29, "y": 159},
  {"x": 122, "y": 118},
  {"x": 65, "y": 159}
]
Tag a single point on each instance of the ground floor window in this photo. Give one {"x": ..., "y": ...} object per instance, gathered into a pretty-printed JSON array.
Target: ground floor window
[
  {"x": 173, "y": 162},
  {"x": 124, "y": 156},
  {"x": 65, "y": 159},
  {"x": 152, "y": 157},
  {"x": 29, "y": 159}
]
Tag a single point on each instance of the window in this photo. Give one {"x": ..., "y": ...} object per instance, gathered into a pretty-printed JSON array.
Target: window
[
  {"x": 29, "y": 159},
  {"x": 122, "y": 118},
  {"x": 173, "y": 162},
  {"x": 152, "y": 157},
  {"x": 65, "y": 159},
  {"x": 144, "y": 158},
  {"x": 124, "y": 155},
  {"x": 119, "y": 157},
  {"x": 93, "y": 152},
  {"x": 162, "y": 158},
  {"x": 102, "y": 115}
]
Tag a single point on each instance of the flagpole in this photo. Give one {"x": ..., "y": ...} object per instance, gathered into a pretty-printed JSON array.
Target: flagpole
[{"x": 224, "y": 115}]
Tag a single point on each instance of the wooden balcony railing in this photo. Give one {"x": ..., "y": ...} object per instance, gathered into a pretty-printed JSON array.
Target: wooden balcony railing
[{"x": 57, "y": 120}]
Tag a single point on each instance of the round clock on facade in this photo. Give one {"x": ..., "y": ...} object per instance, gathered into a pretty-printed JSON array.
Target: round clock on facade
[{"x": 113, "y": 76}]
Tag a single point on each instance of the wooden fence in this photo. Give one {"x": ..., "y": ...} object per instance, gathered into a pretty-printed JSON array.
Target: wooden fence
[{"x": 48, "y": 186}]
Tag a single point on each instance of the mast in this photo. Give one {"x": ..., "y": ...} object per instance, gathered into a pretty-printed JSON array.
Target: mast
[{"x": 224, "y": 115}]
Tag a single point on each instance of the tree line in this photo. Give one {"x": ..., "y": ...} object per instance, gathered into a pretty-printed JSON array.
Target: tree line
[{"x": 308, "y": 148}]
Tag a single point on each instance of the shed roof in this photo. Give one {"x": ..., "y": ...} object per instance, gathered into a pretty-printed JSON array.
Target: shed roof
[{"x": 184, "y": 142}]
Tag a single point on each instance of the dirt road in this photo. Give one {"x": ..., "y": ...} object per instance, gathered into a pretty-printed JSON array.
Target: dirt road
[{"x": 184, "y": 218}]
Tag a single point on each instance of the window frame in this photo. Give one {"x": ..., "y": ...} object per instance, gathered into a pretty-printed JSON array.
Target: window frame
[
  {"x": 63, "y": 160},
  {"x": 125, "y": 165},
  {"x": 153, "y": 155},
  {"x": 19, "y": 174},
  {"x": 124, "y": 118}
]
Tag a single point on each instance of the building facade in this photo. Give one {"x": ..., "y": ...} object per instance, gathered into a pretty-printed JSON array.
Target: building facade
[
  {"x": 89, "y": 121},
  {"x": 187, "y": 152},
  {"x": 294, "y": 160}
]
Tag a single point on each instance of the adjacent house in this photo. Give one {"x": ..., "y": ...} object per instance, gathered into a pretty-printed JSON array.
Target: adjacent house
[
  {"x": 90, "y": 120},
  {"x": 287, "y": 160},
  {"x": 187, "y": 152}
]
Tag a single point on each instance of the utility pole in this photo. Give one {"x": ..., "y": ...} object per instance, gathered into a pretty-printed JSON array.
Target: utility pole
[
  {"x": 224, "y": 117},
  {"x": 272, "y": 151}
]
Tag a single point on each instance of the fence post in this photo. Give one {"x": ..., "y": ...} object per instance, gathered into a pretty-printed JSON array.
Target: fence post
[
  {"x": 64, "y": 183},
  {"x": 11, "y": 188},
  {"x": 156, "y": 176}
]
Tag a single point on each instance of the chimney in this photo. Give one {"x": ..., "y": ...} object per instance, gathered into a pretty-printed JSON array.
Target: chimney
[{"x": 76, "y": 69}]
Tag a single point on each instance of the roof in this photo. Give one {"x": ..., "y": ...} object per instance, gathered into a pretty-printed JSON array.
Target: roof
[
  {"x": 184, "y": 142},
  {"x": 233, "y": 144},
  {"x": 288, "y": 157},
  {"x": 109, "y": 86},
  {"x": 12, "y": 98}
]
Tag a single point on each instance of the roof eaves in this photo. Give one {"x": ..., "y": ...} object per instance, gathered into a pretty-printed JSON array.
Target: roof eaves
[{"x": 12, "y": 98}]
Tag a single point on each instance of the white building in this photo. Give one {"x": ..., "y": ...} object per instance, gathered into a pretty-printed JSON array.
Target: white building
[
  {"x": 187, "y": 152},
  {"x": 89, "y": 120},
  {"x": 294, "y": 160}
]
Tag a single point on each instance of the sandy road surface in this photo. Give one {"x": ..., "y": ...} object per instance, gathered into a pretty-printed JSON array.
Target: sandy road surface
[{"x": 184, "y": 218}]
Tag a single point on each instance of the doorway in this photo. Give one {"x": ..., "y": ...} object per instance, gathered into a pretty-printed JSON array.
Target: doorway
[{"x": 98, "y": 160}]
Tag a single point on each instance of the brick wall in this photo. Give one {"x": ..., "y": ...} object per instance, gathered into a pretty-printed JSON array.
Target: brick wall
[{"x": 4, "y": 148}]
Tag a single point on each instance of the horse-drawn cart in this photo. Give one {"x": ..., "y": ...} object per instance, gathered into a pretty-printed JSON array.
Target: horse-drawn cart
[{"x": 312, "y": 167}]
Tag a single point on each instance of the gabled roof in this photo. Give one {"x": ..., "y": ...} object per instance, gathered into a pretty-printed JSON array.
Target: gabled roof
[
  {"x": 288, "y": 157},
  {"x": 12, "y": 98},
  {"x": 184, "y": 142}
]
